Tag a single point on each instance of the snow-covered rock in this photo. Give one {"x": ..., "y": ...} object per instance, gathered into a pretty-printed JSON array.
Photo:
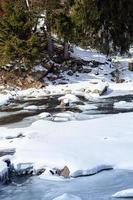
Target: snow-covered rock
[
  {"x": 4, "y": 98},
  {"x": 44, "y": 115},
  {"x": 68, "y": 99},
  {"x": 67, "y": 197},
  {"x": 128, "y": 193},
  {"x": 24, "y": 168}
]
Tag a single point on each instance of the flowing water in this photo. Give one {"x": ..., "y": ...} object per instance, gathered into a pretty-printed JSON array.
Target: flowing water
[{"x": 99, "y": 187}]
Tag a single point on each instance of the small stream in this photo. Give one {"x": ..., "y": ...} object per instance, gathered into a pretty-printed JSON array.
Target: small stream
[{"x": 15, "y": 113}]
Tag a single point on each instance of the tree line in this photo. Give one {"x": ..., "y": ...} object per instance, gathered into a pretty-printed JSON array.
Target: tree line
[{"x": 106, "y": 25}]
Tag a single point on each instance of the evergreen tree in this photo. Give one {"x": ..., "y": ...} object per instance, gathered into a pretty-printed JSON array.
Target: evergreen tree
[
  {"x": 106, "y": 25},
  {"x": 17, "y": 40},
  {"x": 63, "y": 26}
]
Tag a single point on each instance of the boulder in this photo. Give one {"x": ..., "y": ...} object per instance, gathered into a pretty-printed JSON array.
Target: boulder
[
  {"x": 130, "y": 66},
  {"x": 65, "y": 172}
]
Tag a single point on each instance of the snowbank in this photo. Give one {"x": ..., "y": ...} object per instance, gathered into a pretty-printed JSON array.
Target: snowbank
[
  {"x": 88, "y": 55},
  {"x": 124, "y": 194},
  {"x": 67, "y": 197},
  {"x": 80, "y": 145}
]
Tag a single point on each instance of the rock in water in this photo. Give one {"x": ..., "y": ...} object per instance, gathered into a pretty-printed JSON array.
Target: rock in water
[
  {"x": 65, "y": 172},
  {"x": 67, "y": 197},
  {"x": 24, "y": 168}
]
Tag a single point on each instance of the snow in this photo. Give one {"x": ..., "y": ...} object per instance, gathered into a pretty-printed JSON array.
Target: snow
[
  {"x": 128, "y": 193},
  {"x": 67, "y": 197},
  {"x": 123, "y": 104},
  {"x": 91, "y": 171},
  {"x": 68, "y": 98},
  {"x": 87, "y": 107},
  {"x": 4, "y": 98},
  {"x": 32, "y": 107},
  {"x": 44, "y": 115},
  {"x": 39, "y": 68},
  {"x": 80, "y": 145},
  {"x": 88, "y": 55}
]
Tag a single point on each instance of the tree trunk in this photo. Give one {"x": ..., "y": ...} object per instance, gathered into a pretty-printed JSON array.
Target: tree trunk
[
  {"x": 66, "y": 50},
  {"x": 50, "y": 46}
]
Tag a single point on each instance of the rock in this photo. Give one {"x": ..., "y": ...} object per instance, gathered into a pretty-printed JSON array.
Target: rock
[
  {"x": 24, "y": 168},
  {"x": 65, "y": 172},
  {"x": 80, "y": 69},
  {"x": 70, "y": 73},
  {"x": 86, "y": 70},
  {"x": 39, "y": 75},
  {"x": 40, "y": 171},
  {"x": 130, "y": 66},
  {"x": 100, "y": 92}
]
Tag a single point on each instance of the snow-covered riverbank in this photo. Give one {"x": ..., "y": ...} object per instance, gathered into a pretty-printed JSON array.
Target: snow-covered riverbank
[{"x": 79, "y": 145}]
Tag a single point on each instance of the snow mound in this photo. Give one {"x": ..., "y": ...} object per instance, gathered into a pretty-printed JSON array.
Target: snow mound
[
  {"x": 88, "y": 55},
  {"x": 92, "y": 171},
  {"x": 67, "y": 197},
  {"x": 68, "y": 98},
  {"x": 124, "y": 193},
  {"x": 44, "y": 115},
  {"x": 4, "y": 98}
]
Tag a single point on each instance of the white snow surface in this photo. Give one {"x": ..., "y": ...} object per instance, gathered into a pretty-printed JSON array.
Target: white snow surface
[
  {"x": 4, "y": 98},
  {"x": 123, "y": 104},
  {"x": 67, "y": 197},
  {"x": 80, "y": 145},
  {"x": 128, "y": 193},
  {"x": 88, "y": 55}
]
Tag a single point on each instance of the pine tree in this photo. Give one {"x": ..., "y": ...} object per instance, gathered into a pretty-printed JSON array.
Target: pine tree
[
  {"x": 17, "y": 40},
  {"x": 105, "y": 25},
  {"x": 63, "y": 26}
]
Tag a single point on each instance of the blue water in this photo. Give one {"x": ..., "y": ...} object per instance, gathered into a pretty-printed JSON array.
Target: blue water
[{"x": 98, "y": 187}]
